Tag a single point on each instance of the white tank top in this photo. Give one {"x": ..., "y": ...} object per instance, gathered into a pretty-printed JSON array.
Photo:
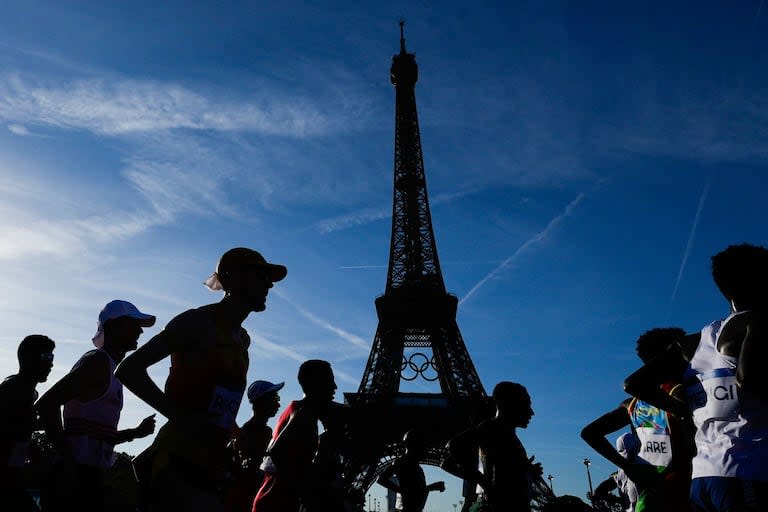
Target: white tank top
[
  {"x": 90, "y": 427},
  {"x": 731, "y": 428}
]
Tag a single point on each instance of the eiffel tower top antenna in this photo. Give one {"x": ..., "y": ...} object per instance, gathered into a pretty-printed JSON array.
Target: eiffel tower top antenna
[{"x": 402, "y": 36}]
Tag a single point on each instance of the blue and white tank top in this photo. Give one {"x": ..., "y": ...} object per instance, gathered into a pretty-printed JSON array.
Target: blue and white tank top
[
  {"x": 731, "y": 427},
  {"x": 90, "y": 427}
]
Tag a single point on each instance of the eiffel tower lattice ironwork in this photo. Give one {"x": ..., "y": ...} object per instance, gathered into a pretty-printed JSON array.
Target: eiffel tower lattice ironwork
[{"x": 416, "y": 314}]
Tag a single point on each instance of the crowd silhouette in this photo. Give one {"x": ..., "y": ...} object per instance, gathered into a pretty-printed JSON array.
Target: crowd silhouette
[{"x": 694, "y": 430}]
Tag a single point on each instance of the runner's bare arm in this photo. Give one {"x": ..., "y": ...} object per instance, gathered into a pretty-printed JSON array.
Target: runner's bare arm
[{"x": 594, "y": 434}]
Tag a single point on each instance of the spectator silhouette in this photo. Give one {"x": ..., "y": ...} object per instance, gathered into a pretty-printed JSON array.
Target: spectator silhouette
[
  {"x": 92, "y": 399},
  {"x": 406, "y": 477},
  {"x": 726, "y": 387},
  {"x": 19, "y": 420},
  {"x": 250, "y": 445},
  {"x": 186, "y": 466},
  {"x": 661, "y": 469},
  {"x": 288, "y": 465},
  {"x": 507, "y": 472}
]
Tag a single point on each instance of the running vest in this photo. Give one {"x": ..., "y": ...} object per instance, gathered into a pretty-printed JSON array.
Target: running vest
[
  {"x": 90, "y": 427},
  {"x": 731, "y": 429},
  {"x": 206, "y": 383},
  {"x": 651, "y": 425}
]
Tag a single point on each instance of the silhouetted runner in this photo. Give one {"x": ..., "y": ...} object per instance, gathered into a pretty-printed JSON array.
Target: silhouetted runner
[
  {"x": 661, "y": 469},
  {"x": 250, "y": 445},
  {"x": 289, "y": 462},
  {"x": 92, "y": 399},
  {"x": 507, "y": 472},
  {"x": 726, "y": 387},
  {"x": 186, "y": 466},
  {"x": 406, "y": 477},
  {"x": 18, "y": 418}
]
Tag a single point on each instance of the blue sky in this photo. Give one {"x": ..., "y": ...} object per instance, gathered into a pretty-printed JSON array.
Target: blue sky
[{"x": 584, "y": 162}]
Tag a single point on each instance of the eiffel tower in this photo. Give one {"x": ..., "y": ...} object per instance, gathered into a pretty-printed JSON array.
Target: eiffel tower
[{"x": 417, "y": 336}]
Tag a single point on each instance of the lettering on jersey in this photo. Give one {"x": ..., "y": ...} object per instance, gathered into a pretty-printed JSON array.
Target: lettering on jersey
[
  {"x": 656, "y": 447},
  {"x": 714, "y": 397},
  {"x": 724, "y": 392}
]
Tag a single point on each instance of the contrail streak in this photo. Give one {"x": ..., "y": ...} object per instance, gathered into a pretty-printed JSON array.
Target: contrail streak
[
  {"x": 325, "y": 324},
  {"x": 538, "y": 237},
  {"x": 692, "y": 235}
]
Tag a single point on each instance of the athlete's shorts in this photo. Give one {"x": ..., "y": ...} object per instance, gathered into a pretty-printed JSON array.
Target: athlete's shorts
[
  {"x": 724, "y": 494},
  {"x": 671, "y": 496}
]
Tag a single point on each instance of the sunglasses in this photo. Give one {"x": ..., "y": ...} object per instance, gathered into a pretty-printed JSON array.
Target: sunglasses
[{"x": 47, "y": 357}]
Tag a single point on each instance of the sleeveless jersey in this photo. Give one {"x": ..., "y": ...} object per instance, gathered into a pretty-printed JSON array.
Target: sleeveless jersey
[
  {"x": 90, "y": 427},
  {"x": 651, "y": 425},
  {"x": 207, "y": 380},
  {"x": 731, "y": 427}
]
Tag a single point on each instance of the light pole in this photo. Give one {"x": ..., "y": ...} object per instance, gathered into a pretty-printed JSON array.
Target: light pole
[
  {"x": 587, "y": 462},
  {"x": 550, "y": 478}
]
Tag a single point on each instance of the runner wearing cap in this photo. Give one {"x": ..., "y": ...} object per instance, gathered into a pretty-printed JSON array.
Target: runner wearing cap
[
  {"x": 92, "y": 399},
  {"x": 186, "y": 466},
  {"x": 19, "y": 420},
  {"x": 250, "y": 444},
  {"x": 288, "y": 465}
]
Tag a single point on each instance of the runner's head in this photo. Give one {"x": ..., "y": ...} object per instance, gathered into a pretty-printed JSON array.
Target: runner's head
[
  {"x": 316, "y": 380},
  {"x": 741, "y": 274},
  {"x": 35, "y": 355},
  {"x": 652, "y": 343},
  {"x": 513, "y": 402},
  {"x": 247, "y": 275}
]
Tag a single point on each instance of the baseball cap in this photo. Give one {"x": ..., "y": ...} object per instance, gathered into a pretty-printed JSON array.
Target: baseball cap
[
  {"x": 241, "y": 257},
  {"x": 260, "y": 388},
  {"x": 116, "y": 309}
]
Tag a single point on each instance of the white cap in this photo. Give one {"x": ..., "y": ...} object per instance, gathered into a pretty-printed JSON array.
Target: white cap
[{"x": 116, "y": 309}]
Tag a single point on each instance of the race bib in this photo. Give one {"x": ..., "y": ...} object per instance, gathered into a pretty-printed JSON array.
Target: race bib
[
  {"x": 655, "y": 448},
  {"x": 222, "y": 411},
  {"x": 715, "y": 396}
]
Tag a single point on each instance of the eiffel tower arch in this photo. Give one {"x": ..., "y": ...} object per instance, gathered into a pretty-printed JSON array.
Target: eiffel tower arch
[{"x": 417, "y": 337}]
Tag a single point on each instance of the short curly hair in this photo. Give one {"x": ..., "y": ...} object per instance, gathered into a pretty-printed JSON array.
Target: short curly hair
[
  {"x": 741, "y": 271},
  {"x": 655, "y": 341}
]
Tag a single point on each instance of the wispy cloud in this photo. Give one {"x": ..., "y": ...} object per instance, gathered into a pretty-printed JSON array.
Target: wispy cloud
[
  {"x": 538, "y": 237},
  {"x": 275, "y": 348},
  {"x": 692, "y": 235},
  {"x": 44, "y": 236},
  {"x": 115, "y": 106},
  {"x": 18, "y": 129}
]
